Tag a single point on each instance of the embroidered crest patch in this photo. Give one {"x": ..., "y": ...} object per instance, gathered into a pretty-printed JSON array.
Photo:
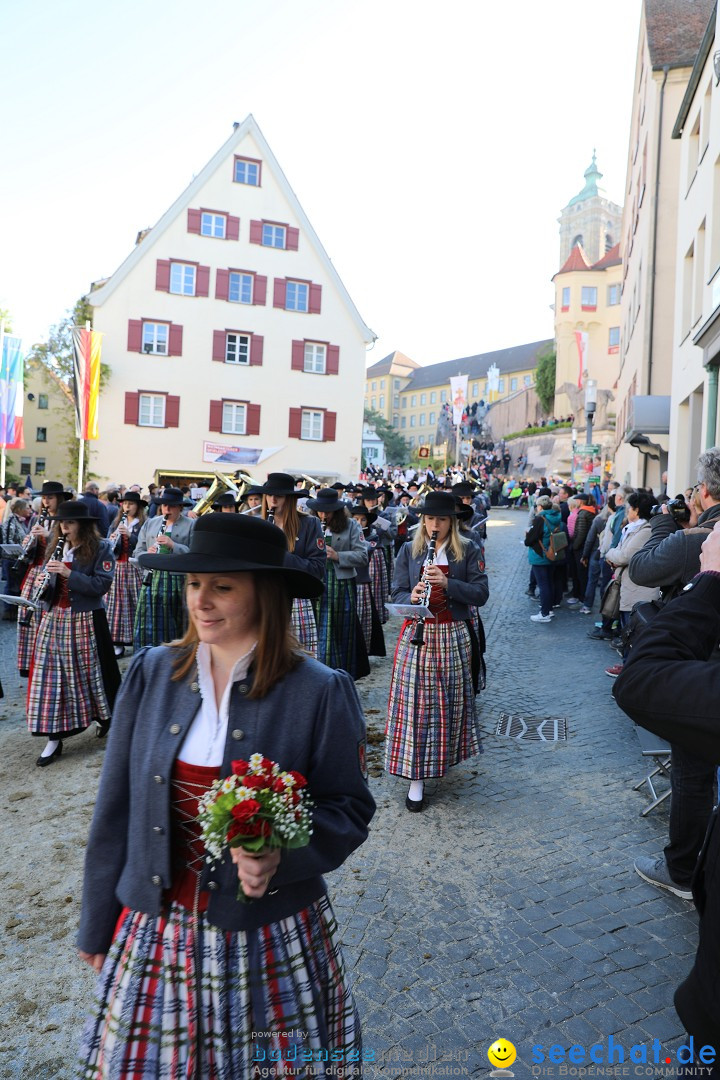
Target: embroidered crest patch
[
  {"x": 362, "y": 758},
  {"x": 107, "y": 566},
  {"x": 321, "y": 543}
]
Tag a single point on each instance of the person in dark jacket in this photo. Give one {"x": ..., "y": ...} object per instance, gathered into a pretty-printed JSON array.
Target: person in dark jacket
[
  {"x": 547, "y": 520},
  {"x": 241, "y": 981},
  {"x": 590, "y": 556},
  {"x": 674, "y": 652}
]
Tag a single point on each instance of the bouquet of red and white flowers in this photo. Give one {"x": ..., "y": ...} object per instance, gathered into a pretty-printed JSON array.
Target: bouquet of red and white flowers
[{"x": 258, "y": 806}]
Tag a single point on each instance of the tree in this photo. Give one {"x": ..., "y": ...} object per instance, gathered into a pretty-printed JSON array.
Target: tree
[
  {"x": 545, "y": 378},
  {"x": 6, "y": 320},
  {"x": 396, "y": 450}
]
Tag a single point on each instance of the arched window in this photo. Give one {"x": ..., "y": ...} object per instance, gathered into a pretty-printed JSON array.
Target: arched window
[
  {"x": 578, "y": 240},
  {"x": 608, "y": 242}
]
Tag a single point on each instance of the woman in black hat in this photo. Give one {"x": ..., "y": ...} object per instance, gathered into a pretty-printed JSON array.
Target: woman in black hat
[
  {"x": 52, "y": 494},
  {"x": 306, "y": 547},
  {"x": 74, "y": 675},
  {"x": 195, "y": 982},
  {"x": 252, "y": 500},
  {"x": 160, "y": 614},
  {"x": 123, "y": 596},
  {"x": 340, "y": 640},
  {"x": 432, "y": 722},
  {"x": 366, "y": 608}
]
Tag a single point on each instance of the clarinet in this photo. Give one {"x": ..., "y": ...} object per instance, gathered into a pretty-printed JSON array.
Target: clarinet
[
  {"x": 271, "y": 515},
  {"x": 117, "y": 543},
  {"x": 147, "y": 580},
  {"x": 30, "y": 542},
  {"x": 43, "y": 581},
  {"x": 418, "y": 637}
]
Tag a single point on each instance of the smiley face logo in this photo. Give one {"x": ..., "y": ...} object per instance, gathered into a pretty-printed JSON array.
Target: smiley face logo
[{"x": 502, "y": 1053}]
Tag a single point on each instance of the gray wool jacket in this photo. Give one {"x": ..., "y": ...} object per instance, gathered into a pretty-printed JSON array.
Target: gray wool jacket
[{"x": 311, "y": 721}]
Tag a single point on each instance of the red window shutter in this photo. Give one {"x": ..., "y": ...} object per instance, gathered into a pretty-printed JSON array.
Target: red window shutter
[
  {"x": 256, "y": 232},
  {"x": 222, "y": 284},
  {"x": 252, "y": 423},
  {"x": 172, "y": 411},
  {"x": 292, "y": 238},
  {"x": 215, "y": 416},
  {"x": 279, "y": 292},
  {"x": 232, "y": 228},
  {"x": 175, "y": 342},
  {"x": 315, "y": 298},
  {"x": 202, "y": 281},
  {"x": 134, "y": 335},
  {"x": 332, "y": 366},
  {"x": 162, "y": 275},
  {"x": 218, "y": 352},
  {"x": 194, "y": 221},
  {"x": 295, "y": 428},
  {"x": 329, "y": 425},
  {"x": 256, "y": 353},
  {"x": 298, "y": 356},
  {"x": 260, "y": 289},
  {"x": 132, "y": 408}
]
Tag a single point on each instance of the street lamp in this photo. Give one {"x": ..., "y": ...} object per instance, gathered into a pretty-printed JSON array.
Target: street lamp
[{"x": 590, "y": 405}]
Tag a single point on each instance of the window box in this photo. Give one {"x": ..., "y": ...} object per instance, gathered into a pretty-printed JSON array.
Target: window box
[
  {"x": 292, "y": 295},
  {"x": 148, "y": 408},
  {"x": 238, "y": 347},
  {"x": 312, "y": 424},
  {"x": 315, "y": 357},
  {"x": 154, "y": 338},
  {"x": 247, "y": 171},
  {"x": 231, "y": 417}
]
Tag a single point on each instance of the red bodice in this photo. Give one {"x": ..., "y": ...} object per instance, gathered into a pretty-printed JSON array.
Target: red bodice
[{"x": 188, "y": 784}]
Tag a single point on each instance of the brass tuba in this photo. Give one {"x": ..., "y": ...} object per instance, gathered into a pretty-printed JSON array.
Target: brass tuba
[{"x": 220, "y": 486}]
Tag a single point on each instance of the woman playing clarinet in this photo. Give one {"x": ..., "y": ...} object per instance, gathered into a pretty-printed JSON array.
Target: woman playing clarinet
[
  {"x": 52, "y": 494},
  {"x": 432, "y": 720},
  {"x": 161, "y": 614},
  {"x": 123, "y": 596},
  {"x": 306, "y": 548}
]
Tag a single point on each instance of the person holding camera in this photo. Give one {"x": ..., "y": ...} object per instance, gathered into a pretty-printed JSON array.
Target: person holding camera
[
  {"x": 674, "y": 560},
  {"x": 678, "y": 649}
]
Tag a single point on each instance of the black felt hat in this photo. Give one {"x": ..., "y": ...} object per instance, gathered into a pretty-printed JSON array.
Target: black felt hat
[
  {"x": 235, "y": 543},
  {"x": 53, "y": 487},
  {"x": 439, "y": 504},
  {"x": 73, "y": 510},
  {"x": 169, "y": 496},
  {"x": 280, "y": 483},
  {"x": 326, "y": 500}
]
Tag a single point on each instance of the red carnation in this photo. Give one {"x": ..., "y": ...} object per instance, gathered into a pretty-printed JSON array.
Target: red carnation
[
  {"x": 255, "y": 781},
  {"x": 299, "y": 779},
  {"x": 245, "y": 810},
  {"x": 267, "y": 765},
  {"x": 240, "y": 767},
  {"x": 279, "y": 785}
]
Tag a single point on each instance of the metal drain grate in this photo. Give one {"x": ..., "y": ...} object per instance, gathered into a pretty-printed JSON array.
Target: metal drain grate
[{"x": 532, "y": 728}]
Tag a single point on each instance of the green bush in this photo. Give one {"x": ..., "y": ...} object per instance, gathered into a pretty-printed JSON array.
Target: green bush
[{"x": 539, "y": 430}]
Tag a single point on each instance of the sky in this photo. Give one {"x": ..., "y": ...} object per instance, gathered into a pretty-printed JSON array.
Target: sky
[{"x": 431, "y": 146}]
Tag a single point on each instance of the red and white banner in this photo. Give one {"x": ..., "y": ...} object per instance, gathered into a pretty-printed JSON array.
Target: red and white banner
[{"x": 458, "y": 396}]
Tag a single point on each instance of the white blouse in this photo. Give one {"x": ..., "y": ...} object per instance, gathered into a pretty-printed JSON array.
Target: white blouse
[{"x": 204, "y": 743}]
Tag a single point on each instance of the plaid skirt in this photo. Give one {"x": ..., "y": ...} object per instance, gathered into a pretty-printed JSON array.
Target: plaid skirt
[
  {"x": 380, "y": 582},
  {"x": 122, "y": 601},
  {"x": 432, "y": 721},
  {"x": 66, "y": 691},
  {"x": 274, "y": 998},
  {"x": 27, "y": 623},
  {"x": 304, "y": 625},
  {"x": 340, "y": 640},
  {"x": 161, "y": 614},
  {"x": 369, "y": 620}
]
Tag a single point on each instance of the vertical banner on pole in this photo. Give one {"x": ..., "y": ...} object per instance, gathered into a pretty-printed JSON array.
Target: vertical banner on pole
[
  {"x": 11, "y": 394},
  {"x": 86, "y": 381},
  {"x": 458, "y": 396},
  {"x": 581, "y": 339}
]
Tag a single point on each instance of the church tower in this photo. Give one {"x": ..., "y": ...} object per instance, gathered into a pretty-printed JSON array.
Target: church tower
[{"x": 590, "y": 219}]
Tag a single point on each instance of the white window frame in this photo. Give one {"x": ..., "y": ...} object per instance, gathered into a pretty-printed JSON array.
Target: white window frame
[
  {"x": 381, "y": 402},
  {"x": 182, "y": 278},
  {"x": 315, "y": 357},
  {"x": 565, "y": 299},
  {"x": 616, "y": 291},
  {"x": 433, "y": 397},
  {"x": 154, "y": 407},
  {"x": 237, "y": 351},
  {"x": 431, "y": 419},
  {"x": 616, "y": 343},
  {"x": 272, "y": 233},
  {"x": 585, "y": 296},
  {"x": 234, "y": 418},
  {"x": 214, "y": 225},
  {"x": 244, "y": 283},
  {"x": 311, "y": 426},
  {"x": 412, "y": 420},
  {"x": 43, "y": 401},
  {"x": 301, "y": 294},
  {"x": 151, "y": 337},
  {"x": 250, "y": 169},
  {"x": 423, "y": 399}
]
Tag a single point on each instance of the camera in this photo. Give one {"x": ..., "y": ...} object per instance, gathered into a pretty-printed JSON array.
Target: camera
[{"x": 677, "y": 508}]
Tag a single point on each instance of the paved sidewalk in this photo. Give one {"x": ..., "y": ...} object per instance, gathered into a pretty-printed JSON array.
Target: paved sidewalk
[{"x": 508, "y": 909}]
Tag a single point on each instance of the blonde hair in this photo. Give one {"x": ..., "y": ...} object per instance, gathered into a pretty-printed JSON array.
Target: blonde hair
[{"x": 455, "y": 541}]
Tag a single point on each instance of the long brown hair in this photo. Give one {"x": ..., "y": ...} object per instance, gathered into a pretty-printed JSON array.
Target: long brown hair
[
  {"x": 139, "y": 516},
  {"x": 277, "y": 651},
  {"x": 291, "y": 519},
  {"x": 87, "y": 545}
]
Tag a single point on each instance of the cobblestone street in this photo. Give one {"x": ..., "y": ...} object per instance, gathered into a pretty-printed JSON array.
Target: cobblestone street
[{"x": 509, "y": 908}]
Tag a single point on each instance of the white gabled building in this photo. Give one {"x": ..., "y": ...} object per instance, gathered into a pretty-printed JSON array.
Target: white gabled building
[{"x": 231, "y": 340}]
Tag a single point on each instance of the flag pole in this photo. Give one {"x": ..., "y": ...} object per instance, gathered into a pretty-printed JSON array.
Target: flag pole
[
  {"x": 81, "y": 448},
  {"x": 2, "y": 456}
]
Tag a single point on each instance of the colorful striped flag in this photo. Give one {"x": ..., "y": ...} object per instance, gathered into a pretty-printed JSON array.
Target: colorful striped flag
[
  {"x": 11, "y": 394},
  {"x": 86, "y": 381}
]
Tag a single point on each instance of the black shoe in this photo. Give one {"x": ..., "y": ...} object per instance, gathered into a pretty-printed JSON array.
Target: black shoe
[
  {"x": 43, "y": 761},
  {"x": 415, "y": 806},
  {"x": 101, "y": 728},
  {"x": 599, "y": 635},
  {"x": 617, "y": 642},
  {"x": 119, "y": 650}
]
